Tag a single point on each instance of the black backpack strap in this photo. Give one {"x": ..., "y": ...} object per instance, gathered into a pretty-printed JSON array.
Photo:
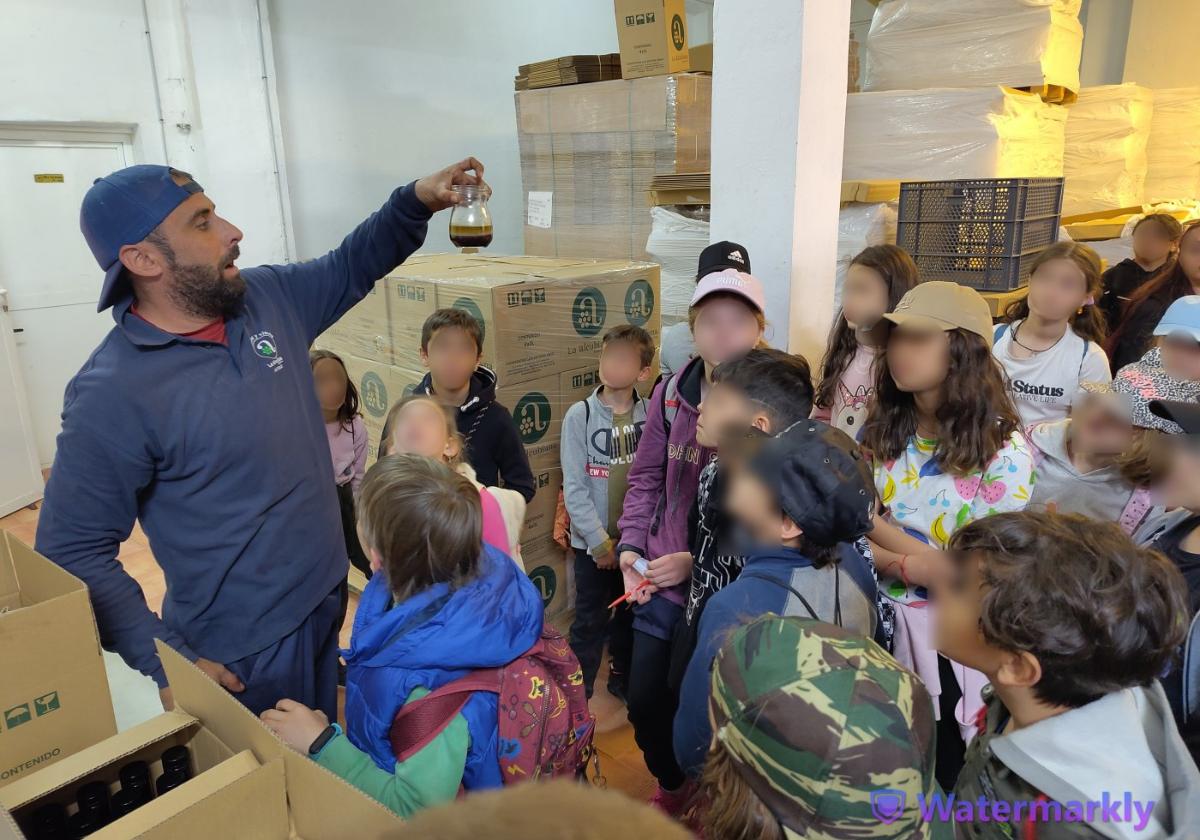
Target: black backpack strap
[{"x": 837, "y": 594}]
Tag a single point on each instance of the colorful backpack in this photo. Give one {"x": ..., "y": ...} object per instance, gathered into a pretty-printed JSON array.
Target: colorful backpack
[{"x": 545, "y": 727}]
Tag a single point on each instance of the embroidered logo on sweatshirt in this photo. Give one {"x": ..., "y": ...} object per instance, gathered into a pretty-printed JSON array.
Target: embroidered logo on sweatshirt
[{"x": 265, "y": 348}]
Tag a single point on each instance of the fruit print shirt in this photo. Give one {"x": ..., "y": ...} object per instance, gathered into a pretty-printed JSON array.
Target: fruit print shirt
[{"x": 931, "y": 505}]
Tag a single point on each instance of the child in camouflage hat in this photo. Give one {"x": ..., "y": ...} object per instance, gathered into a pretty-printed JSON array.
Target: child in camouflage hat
[
  {"x": 817, "y": 733},
  {"x": 1072, "y": 624}
]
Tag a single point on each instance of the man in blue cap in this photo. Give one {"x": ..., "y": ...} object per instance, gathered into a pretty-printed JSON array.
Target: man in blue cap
[{"x": 197, "y": 416}]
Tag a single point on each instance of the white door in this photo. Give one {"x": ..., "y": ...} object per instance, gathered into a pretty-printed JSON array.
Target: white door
[
  {"x": 20, "y": 477},
  {"x": 51, "y": 277}
]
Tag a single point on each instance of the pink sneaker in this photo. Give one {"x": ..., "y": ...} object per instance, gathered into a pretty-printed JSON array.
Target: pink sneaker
[{"x": 670, "y": 802}]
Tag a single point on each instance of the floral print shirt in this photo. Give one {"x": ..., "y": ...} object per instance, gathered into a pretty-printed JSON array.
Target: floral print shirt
[{"x": 931, "y": 505}]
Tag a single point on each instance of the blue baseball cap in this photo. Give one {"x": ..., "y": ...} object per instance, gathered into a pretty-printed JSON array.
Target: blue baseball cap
[
  {"x": 1182, "y": 316},
  {"x": 121, "y": 209}
]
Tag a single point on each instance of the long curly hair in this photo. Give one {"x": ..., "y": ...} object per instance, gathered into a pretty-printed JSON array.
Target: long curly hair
[
  {"x": 1089, "y": 323},
  {"x": 975, "y": 421},
  {"x": 900, "y": 273}
]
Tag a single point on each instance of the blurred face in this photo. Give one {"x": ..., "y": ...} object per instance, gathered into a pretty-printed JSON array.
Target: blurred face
[
  {"x": 1189, "y": 255},
  {"x": 1057, "y": 289},
  {"x": 1151, "y": 245},
  {"x": 330, "y": 379},
  {"x": 956, "y": 632},
  {"x": 1181, "y": 487},
  {"x": 451, "y": 357},
  {"x": 621, "y": 365},
  {"x": 753, "y": 507},
  {"x": 1181, "y": 356},
  {"x": 727, "y": 408},
  {"x": 726, "y": 327},
  {"x": 420, "y": 428},
  {"x": 918, "y": 359},
  {"x": 864, "y": 297},
  {"x": 1095, "y": 430}
]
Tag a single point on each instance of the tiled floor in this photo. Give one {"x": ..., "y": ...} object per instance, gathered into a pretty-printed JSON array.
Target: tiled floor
[{"x": 620, "y": 759}]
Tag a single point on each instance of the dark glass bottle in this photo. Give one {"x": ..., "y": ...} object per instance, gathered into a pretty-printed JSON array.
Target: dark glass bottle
[
  {"x": 177, "y": 769},
  {"x": 123, "y": 802},
  {"x": 135, "y": 778},
  {"x": 93, "y": 805},
  {"x": 50, "y": 822}
]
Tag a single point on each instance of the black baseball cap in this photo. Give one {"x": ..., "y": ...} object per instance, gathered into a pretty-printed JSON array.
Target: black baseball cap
[
  {"x": 722, "y": 255},
  {"x": 820, "y": 478},
  {"x": 1184, "y": 414}
]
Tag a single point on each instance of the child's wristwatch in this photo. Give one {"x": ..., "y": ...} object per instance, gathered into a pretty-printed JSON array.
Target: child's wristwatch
[{"x": 330, "y": 732}]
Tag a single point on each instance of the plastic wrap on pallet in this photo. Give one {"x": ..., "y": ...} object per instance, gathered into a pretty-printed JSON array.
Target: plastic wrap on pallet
[
  {"x": 589, "y": 153},
  {"x": 860, "y": 226},
  {"x": 675, "y": 244},
  {"x": 915, "y": 44},
  {"x": 1173, "y": 153},
  {"x": 1108, "y": 129},
  {"x": 947, "y": 133}
]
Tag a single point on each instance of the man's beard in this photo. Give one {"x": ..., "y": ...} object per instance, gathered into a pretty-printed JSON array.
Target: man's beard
[{"x": 200, "y": 290}]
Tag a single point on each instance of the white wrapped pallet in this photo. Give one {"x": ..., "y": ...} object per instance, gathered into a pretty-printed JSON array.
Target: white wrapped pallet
[
  {"x": 1108, "y": 129},
  {"x": 950, "y": 133},
  {"x": 916, "y": 44},
  {"x": 675, "y": 244},
  {"x": 1173, "y": 153}
]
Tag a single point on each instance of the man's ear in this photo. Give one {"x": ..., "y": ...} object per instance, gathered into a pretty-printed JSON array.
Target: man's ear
[
  {"x": 1019, "y": 670},
  {"x": 789, "y": 530},
  {"x": 142, "y": 259}
]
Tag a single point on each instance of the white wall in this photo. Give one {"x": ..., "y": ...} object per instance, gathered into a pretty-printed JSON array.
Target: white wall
[
  {"x": 377, "y": 93},
  {"x": 1162, "y": 44},
  {"x": 1105, "y": 32}
]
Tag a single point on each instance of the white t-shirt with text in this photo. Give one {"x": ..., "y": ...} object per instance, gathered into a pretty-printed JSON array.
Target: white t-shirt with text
[{"x": 1044, "y": 385}]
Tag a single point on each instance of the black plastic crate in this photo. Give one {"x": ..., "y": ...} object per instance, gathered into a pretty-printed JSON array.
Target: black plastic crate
[{"x": 983, "y": 233}]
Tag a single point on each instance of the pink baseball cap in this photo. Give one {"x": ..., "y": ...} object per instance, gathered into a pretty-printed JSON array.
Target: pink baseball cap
[{"x": 733, "y": 282}]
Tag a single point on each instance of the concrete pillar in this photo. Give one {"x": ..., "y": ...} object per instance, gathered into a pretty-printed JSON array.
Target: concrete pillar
[{"x": 779, "y": 113}]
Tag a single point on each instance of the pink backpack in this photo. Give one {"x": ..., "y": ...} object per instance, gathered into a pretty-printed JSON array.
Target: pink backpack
[{"x": 545, "y": 726}]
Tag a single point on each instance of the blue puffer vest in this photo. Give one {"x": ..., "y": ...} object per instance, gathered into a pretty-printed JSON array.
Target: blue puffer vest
[{"x": 432, "y": 638}]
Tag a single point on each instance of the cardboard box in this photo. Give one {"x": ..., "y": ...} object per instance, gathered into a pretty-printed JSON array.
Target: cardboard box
[
  {"x": 380, "y": 386},
  {"x": 54, "y": 698},
  {"x": 245, "y": 782},
  {"x": 652, "y": 36},
  {"x": 538, "y": 407},
  {"x": 700, "y": 58},
  {"x": 365, "y": 331},
  {"x": 539, "y": 513},
  {"x": 540, "y": 316},
  {"x": 546, "y": 564}
]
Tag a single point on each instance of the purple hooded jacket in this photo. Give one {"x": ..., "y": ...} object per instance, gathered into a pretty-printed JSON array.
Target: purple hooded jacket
[{"x": 665, "y": 475}]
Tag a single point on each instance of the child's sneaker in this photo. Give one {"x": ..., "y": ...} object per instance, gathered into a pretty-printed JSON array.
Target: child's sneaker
[
  {"x": 618, "y": 686},
  {"x": 672, "y": 803}
]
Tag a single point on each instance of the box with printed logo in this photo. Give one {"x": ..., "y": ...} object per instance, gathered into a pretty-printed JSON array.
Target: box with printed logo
[
  {"x": 538, "y": 406},
  {"x": 540, "y": 316},
  {"x": 54, "y": 698},
  {"x": 380, "y": 386},
  {"x": 540, "y": 511},
  {"x": 546, "y": 564},
  {"x": 652, "y": 36},
  {"x": 410, "y": 303},
  {"x": 365, "y": 331}
]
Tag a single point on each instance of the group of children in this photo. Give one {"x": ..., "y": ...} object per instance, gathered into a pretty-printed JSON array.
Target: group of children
[{"x": 959, "y": 569}]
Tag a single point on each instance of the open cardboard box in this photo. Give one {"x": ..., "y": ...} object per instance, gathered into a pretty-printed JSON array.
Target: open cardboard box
[
  {"x": 245, "y": 782},
  {"x": 54, "y": 698}
]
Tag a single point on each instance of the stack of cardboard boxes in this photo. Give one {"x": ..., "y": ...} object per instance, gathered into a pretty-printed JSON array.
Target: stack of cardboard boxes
[{"x": 543, "y": 320}]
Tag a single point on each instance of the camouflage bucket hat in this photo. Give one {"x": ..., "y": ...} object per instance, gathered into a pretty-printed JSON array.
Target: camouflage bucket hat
[{"x": 831, "y": 733}]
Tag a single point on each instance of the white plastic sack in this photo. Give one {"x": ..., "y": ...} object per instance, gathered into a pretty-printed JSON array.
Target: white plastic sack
[
  {"x": 916, "y": 44},
  {"x": 949, "y": 133},
  {"x": 1173, "y": 153},
  {"x": 859, "y": 226},
  {"x": 1108, "y": 129},
  {"x": 675, "y": 244}
]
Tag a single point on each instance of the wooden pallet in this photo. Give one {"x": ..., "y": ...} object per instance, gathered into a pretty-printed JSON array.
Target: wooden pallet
[{"x": 1053, "y": 94}]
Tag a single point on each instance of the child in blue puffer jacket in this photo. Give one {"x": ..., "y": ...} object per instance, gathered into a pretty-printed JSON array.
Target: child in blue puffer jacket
[{"x": 444, "y": 605}]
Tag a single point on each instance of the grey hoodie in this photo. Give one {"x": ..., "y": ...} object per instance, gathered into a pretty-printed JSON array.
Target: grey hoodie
[
  {"x": 1123, "y": 747},
  {"x": 1101, "y": 494},
  {"x": 586, "y": 437}
]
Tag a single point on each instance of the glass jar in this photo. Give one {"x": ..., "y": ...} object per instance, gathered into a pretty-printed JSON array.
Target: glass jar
[{"x": 470, "y": 221}]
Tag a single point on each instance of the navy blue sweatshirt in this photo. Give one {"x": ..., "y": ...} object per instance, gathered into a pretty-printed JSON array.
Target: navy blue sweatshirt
[
  {"x": 852, "y": 595},
  {"x": 220, "y": 452}
]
